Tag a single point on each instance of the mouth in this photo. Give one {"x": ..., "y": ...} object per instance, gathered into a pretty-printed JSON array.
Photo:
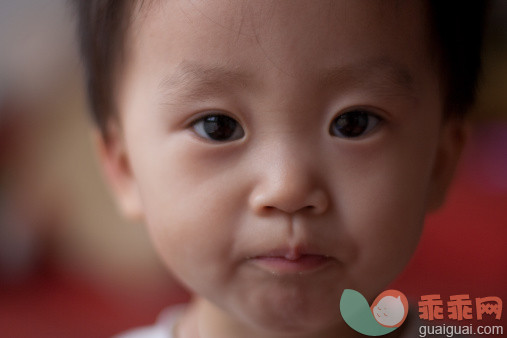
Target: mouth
[{"x": 285, "y": 262}]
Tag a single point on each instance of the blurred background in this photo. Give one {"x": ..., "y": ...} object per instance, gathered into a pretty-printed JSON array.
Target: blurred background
[{"x": 70, "y": 266}]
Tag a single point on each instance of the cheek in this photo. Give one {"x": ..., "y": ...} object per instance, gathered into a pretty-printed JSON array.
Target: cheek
[
  {"x": 192, "y": 210},
  {"x": 382, "y": 204},
  {"x": 191, "y": 236}
]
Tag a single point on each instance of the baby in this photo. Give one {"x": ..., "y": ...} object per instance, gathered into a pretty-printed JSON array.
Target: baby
[{"x": 279, "y": 152}]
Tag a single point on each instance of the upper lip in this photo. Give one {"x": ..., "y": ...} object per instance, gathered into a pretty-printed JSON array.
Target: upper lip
[{"x": 291, "y": 253}]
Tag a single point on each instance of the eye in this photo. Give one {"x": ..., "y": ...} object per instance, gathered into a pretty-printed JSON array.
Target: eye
[
  {"x": 218, "y": 127},
  {"x": 353, "y": 124}
]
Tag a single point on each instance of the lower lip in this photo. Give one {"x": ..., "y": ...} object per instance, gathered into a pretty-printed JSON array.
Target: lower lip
[{"x": 282, "y": 265}]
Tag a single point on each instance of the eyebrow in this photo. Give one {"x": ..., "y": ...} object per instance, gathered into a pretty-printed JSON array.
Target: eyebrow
[
  {"x": 383, "y": 75},
  {"x": 194, "y": 82}
]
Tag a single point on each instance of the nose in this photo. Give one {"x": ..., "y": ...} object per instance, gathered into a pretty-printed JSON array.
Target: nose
[{"x": 290, "y": 184}]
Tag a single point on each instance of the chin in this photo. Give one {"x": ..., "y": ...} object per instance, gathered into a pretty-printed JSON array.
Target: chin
[{"x": 296, "y": 313}]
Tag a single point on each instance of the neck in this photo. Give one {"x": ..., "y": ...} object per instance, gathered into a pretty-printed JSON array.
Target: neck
[{"x": 204, "y": 320}]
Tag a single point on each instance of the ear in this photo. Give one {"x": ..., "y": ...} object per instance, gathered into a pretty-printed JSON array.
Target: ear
[
  {"x": 114, "y": 160},
  {"x": 453, "y": 137}
]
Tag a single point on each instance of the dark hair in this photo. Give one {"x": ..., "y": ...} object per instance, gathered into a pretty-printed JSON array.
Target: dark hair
[
  {"x": 102, "y": 30},
  {"x": 457, "y": 29}
]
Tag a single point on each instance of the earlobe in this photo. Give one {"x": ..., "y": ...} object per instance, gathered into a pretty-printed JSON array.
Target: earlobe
[
  {"x": 453, "y": 137},
  {"x": 115, "y": 164}
]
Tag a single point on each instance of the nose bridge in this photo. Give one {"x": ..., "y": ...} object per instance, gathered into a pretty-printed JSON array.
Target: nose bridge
[
  {"x": 292, "y": 160},
  {"x": 289, "y": 178}
]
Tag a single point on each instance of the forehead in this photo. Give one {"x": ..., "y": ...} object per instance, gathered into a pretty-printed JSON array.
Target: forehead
[{"x": 331, "y": 40}]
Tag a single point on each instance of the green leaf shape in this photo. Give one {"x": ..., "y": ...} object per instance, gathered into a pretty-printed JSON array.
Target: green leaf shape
[{"x": 357, "y": 314}]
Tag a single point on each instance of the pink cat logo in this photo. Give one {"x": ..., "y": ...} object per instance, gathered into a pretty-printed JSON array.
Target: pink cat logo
[
  {"x": 386, "y": 314},
  {"x": 390, "y": 308}
]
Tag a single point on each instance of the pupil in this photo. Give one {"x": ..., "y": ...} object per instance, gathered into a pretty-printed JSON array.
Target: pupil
[
  {"x": 352, "y": 124},
  {"x": 219, "y": 127}
]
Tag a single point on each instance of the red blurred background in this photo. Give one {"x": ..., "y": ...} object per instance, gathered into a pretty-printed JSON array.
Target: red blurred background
[{"x": 71, "y": 267}]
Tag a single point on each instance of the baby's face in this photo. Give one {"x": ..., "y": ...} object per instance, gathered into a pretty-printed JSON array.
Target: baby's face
[{"x": 281, "y": 151}]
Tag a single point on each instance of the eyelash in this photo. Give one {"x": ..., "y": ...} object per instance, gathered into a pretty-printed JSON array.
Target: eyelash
[
  {"x": 211, "y": 124},
  {"x": 365, "y": 122},
  {"x": 217, "y": 126}
]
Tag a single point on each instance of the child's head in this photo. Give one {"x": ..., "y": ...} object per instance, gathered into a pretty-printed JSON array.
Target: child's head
[{"x": 281, "y": 151}]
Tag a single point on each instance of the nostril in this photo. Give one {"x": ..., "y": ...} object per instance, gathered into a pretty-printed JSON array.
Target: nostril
[
  {"x": 267, "y": 210},
  {"x": 289, "y": 201},
  {"x": 309, "y": 208}
]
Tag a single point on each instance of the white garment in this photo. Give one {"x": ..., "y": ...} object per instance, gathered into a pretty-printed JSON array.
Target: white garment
[
  {"x": 163, "y": 328},
  {"x": 166, "y": 322}
]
